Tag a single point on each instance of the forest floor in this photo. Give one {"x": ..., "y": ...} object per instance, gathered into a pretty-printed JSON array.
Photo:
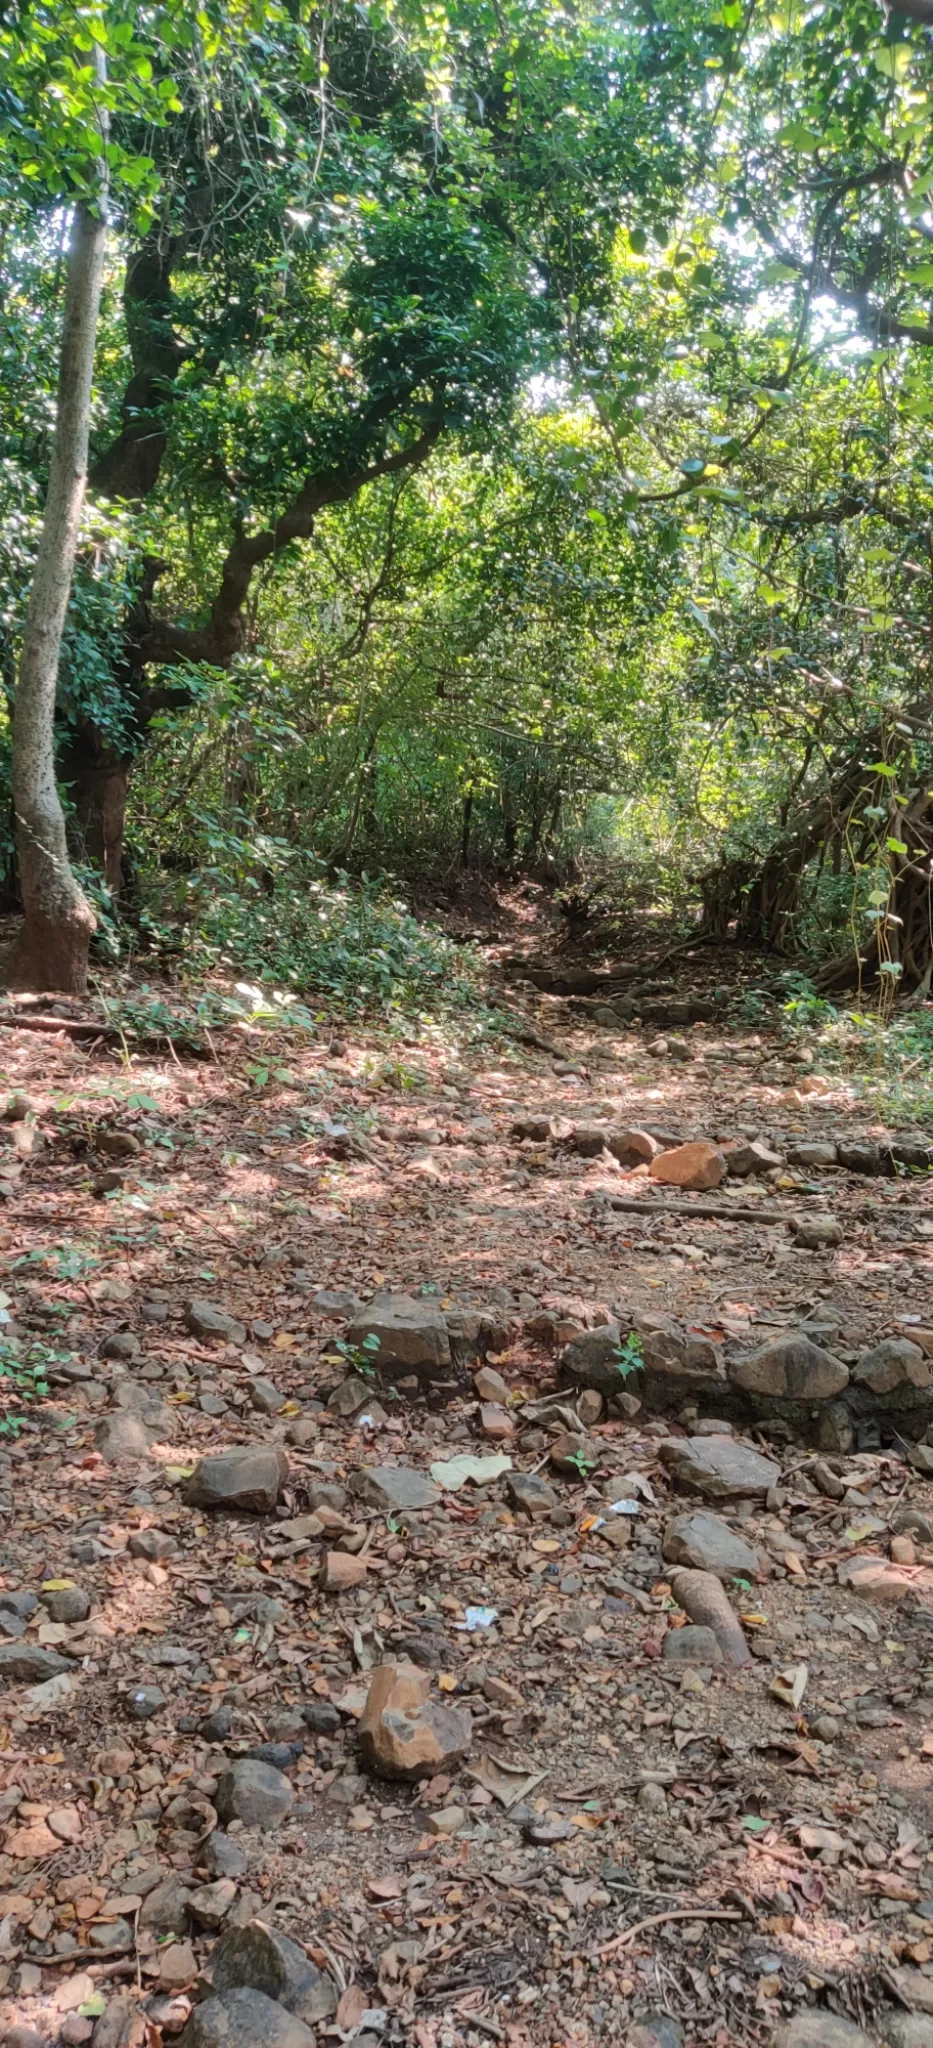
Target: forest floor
[{"x": 641, "y": 1836}]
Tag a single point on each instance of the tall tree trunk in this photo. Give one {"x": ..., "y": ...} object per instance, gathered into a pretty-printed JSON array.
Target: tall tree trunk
[{"x": 52, "y": 950}]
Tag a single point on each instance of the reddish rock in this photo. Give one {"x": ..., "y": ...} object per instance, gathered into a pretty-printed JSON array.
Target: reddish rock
[
  {"x": 697, "y": 1165},
  {"x": 403, "y": 1732}
]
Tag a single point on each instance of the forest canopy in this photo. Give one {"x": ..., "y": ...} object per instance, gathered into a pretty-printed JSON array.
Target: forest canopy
[{"x": 509, "y": 448}]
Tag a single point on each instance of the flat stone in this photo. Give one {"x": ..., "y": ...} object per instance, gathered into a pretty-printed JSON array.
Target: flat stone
[
  {"x": 29, "y": 1664},
  {"x": 709, "y": 1545},
  {"x": 412, "y": 1335},
  {"x": 719, "y": 1467},
  {"x": 750, "y": 1157},
  {"x": 248, "y": 1479},
  {"x": 790, "y": 1366},
  {"x": 152, "y": 1544},
  {"x": 341, "y": 1572},
  {"x": 895, "y": 1362},
  {"x": 394, "y": 1487},
  {"x": 812, "y": 2029},
  {"x": 403, "y": 1732},
  {"x": 812, "y": 1153},
  {"x": 259, "y": 1957},
  {"x": 490, "y": 1385},
  {"x": 816, "y": 1233},
  {"x": 244, "y": 2019},
  {"x": 695, "y": 1165},
  {"x": 209, "y": 1322},
  {"x": 691, "y": 1645},
  {"x": 886, "y": 1584},
  {"x": 254, "y": 1793}
]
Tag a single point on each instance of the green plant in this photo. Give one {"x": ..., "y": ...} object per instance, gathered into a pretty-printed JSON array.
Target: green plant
[
  {"x": 629, "y": 1356},
  {"x": 25, "y": 1372},
  {"x": 580, "y": 1462},
  {"x": 360, "y": 1358}
]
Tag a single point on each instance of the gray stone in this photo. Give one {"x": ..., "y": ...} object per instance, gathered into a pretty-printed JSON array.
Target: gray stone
[
  {"x": 166, "y": 1908},
  {"x": 266, "y": 1396},
  {"x": 122, "y": 1438},
  {"x": 472, "y": 1332},
  {"x": 691, "y": 1645},
  {"x": 719, "y": 1467},
  {"x": 895, "y": 1362},
  {"x": 29, "y": 1664},
  {"x": 258, "y": 1956},
  {"x": 864, "y": 1158},
  {"x": 633, "y": 1147},
  {"x": 910, "y": 1522},
  {"x": 790, "y": 1366},
  {"x": 906, "y": 2029},
  {"x": 153, "y": 1544},
  {"x": 210, "y": 1903},
  {"x": 254, "y": 1793},
  {"x": 248, "y": 1479},
  {"x": 132, "y": 1398},
  {"x": 209, "y": 1322},
  {"x": 335, "y": 1301},
  {"x": 751, "y": 1157},
  {"x": 655, "y": 2030},
  {"x": 222, "y": 1857},
  {"x": 708, "y": 1544},
  {"x": 23, "y": 1604},
  {"x": 144, "y": 1701},
  {"x": 534, "y": 1495},
  {"x": 216, "y": 1726},
  {"x": 590, "y": 1140},
  {"x": 816, "y": 1233},
  {"x": 122, "y": 1344},
  {"x": 412, "y": 1336},
  {"x": 326, "y": 1493},
  {"x": 813, "y": 2029},
  {"x": 111, "y": 1934},
  {"x": 321, "y": 1718},
  {"x": 592, "y": 1360},
  {"x": 812, "y": 1153},
  {"x": 244, "y": 2019},
  {"x": 352, "y": 1394},
  {"x": 394, "y": 1487},
  {"x": 67, "y": 1603}
]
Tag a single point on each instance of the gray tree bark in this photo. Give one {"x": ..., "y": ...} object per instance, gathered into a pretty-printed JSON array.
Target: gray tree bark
[{"x": 52, "y": 949}]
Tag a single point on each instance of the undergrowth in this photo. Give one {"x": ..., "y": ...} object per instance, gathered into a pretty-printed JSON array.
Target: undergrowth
[{"x": 889, "y": 1063}]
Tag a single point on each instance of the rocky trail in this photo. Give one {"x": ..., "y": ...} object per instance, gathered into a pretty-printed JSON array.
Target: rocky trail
[{"x": 466, "y": 1574}]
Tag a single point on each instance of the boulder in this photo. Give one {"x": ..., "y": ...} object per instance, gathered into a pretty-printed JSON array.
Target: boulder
[
  {"x": 255, "y": 1793},
  {"x": 895, "y": 1362},
  {"x": 696, "y": 1165},
  {"x": 707, "y": 1543},
  {"x": 264, "y": 1960},
  {"x": 244, "y": 2019},
  {"x": 412, "y": 1336},
  {"x": 592, "y": 1360},
  {"x": 812, "y": 2029},
  {"x": 212, "y": 1324},
  {"x": 249, "y": 1479},
  {"x": 394, "y": 1487},
  {"x": 403, "y": 1732},
  {"x": 790, "y": 1367},
  {"x": 813, "y": 1153},
  {"x": 719, "y": 1467}
]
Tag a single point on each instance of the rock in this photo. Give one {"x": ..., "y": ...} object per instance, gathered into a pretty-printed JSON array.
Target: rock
[
  {"x": 575, "y": 1455},
  {"x": 321, "y": 1718},
  {"x": 655, "y": 2030},
  {"x": 828, "y": 1482},
  {"x": 403, "y": 1732},
  {"x": 702, "y": 1540},
  {"x": 412, "y": 1335},
  {"x": 691, "y": 1645},
  {"x": 67, "y": 1603},
  {"x": 490, "y": 1385},
  {"x": 166, "y": 1907},
  {"x": 920, "y": 1456},
  {"x": 826, "y": 1728},
  {"x": 29, "y": 1664},
  {"x": 633, "y": 1147},
  {"x": 590, "y": 1407},
  {"x": 22, "y": 1604},
  {"x": 350, "y": 1396},
  {"x": 259, "y": 1957},
  {"x": 122, "y": 1438},
  {"x": 835, "y": 1432},
  {"x": 210, "y": 1323},
  {"x": 216, "y": 1726},
  {"x": 719, "y": 1467},
  {"x": 222, "y": 1857},
  {"x": 211, "y": 1903},
  {"x": 266, "y": 1397},
  {"x": 812, "y": 2029},
  {"x": 178, "y": 1965},
  {"x": 863, "y": 1158},
  {"x": 696, "y": 1165},
  {"x": 910, "y": 1522},
  {"x": 590, "y": 1140},
  {"x": 152, "y": 1544},
  {"x": 122, "y": 1344},
  {"x": 531, "y": 1493},
  {"x": 812, "y": 1153},
  {"x": 895, "y": 1362},
  {"x": 874, "y": 1578},
  {"x": 254, "y": 1793},
  {"x": 248, "y": 1479},
  {"x": 472, "y": 1332},
  {"x": 145, "y": 1701},
  {"x": 394, "y": 1487},
  {"x": 916, "y": 1988},
  {"x": 447, "y": 1822},
  {"x": 907, "y": 2029},
  {"x": 539, "y": 1130},
  {"x": 790, "y": 1366},
  {"x": 244, "y": 2019},
  {"x": 816, "y": 1233},
  {"x": 593, "y": 1360},
  {"x": 496, "y": 1423},
  {"x": 340, "y": 1572},
  {"x": 750, "y": 1157}
]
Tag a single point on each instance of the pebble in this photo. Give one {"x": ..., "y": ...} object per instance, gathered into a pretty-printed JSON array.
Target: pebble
[{"x": 145, "y": 1701}]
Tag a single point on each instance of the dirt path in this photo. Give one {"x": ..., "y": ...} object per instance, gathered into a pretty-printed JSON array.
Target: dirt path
[{"x": 632, "y": 1834}]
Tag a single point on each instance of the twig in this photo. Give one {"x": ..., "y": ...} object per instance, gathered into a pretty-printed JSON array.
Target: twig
[
  {"x": 628, "y": 1934},
  {"x": 687, "y": 1210}
]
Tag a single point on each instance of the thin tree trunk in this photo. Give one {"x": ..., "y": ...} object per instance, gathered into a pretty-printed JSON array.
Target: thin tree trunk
[{"x": 52, "y": 950}]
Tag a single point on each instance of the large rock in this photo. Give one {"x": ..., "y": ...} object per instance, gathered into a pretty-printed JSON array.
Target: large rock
[
  {"x": 697, "y": 1165},
  {"x": 412, "y": 1336},
  {"x": 394, "y": 1487},
  {"x": 811, "y": 1153},
  {"x": 29, "y": 1664},
  {"x": 895, "y": 1362},
  {"x": 790, "y": 1367},
  {"x": 212, "y": 1324},
  {"x": 248, "y": 1479},
  {"x": 703, "y": 1541},
  {"x": 633, "y": 1147},
  {"x": 255, "y": 1793},
  {"x": 403, "y": 1732},
  {"x": 258, "y": 1956},
  {"x": 592, "y": 1360},
  {"x": 907, "y": 2029},
  {"x": 744, "y": 1159},
  {"x": 122, "y": 1438},
  {"x": 471, "y": 1332},
  {"x": 719, "y": 1467},
  {"x": 812, "y": 2029},
  {"x": 244, "y": 2019}
]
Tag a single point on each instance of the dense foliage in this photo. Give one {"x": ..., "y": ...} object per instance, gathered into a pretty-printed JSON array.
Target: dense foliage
[{"x": 512, "y": 448}]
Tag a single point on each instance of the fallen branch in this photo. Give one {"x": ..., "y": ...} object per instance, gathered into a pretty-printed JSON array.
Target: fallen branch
[
  {"x": 628, "y": 1934},
  {"x": 723, "y": 1211},
  {"x": 77, "y": 1027}
]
